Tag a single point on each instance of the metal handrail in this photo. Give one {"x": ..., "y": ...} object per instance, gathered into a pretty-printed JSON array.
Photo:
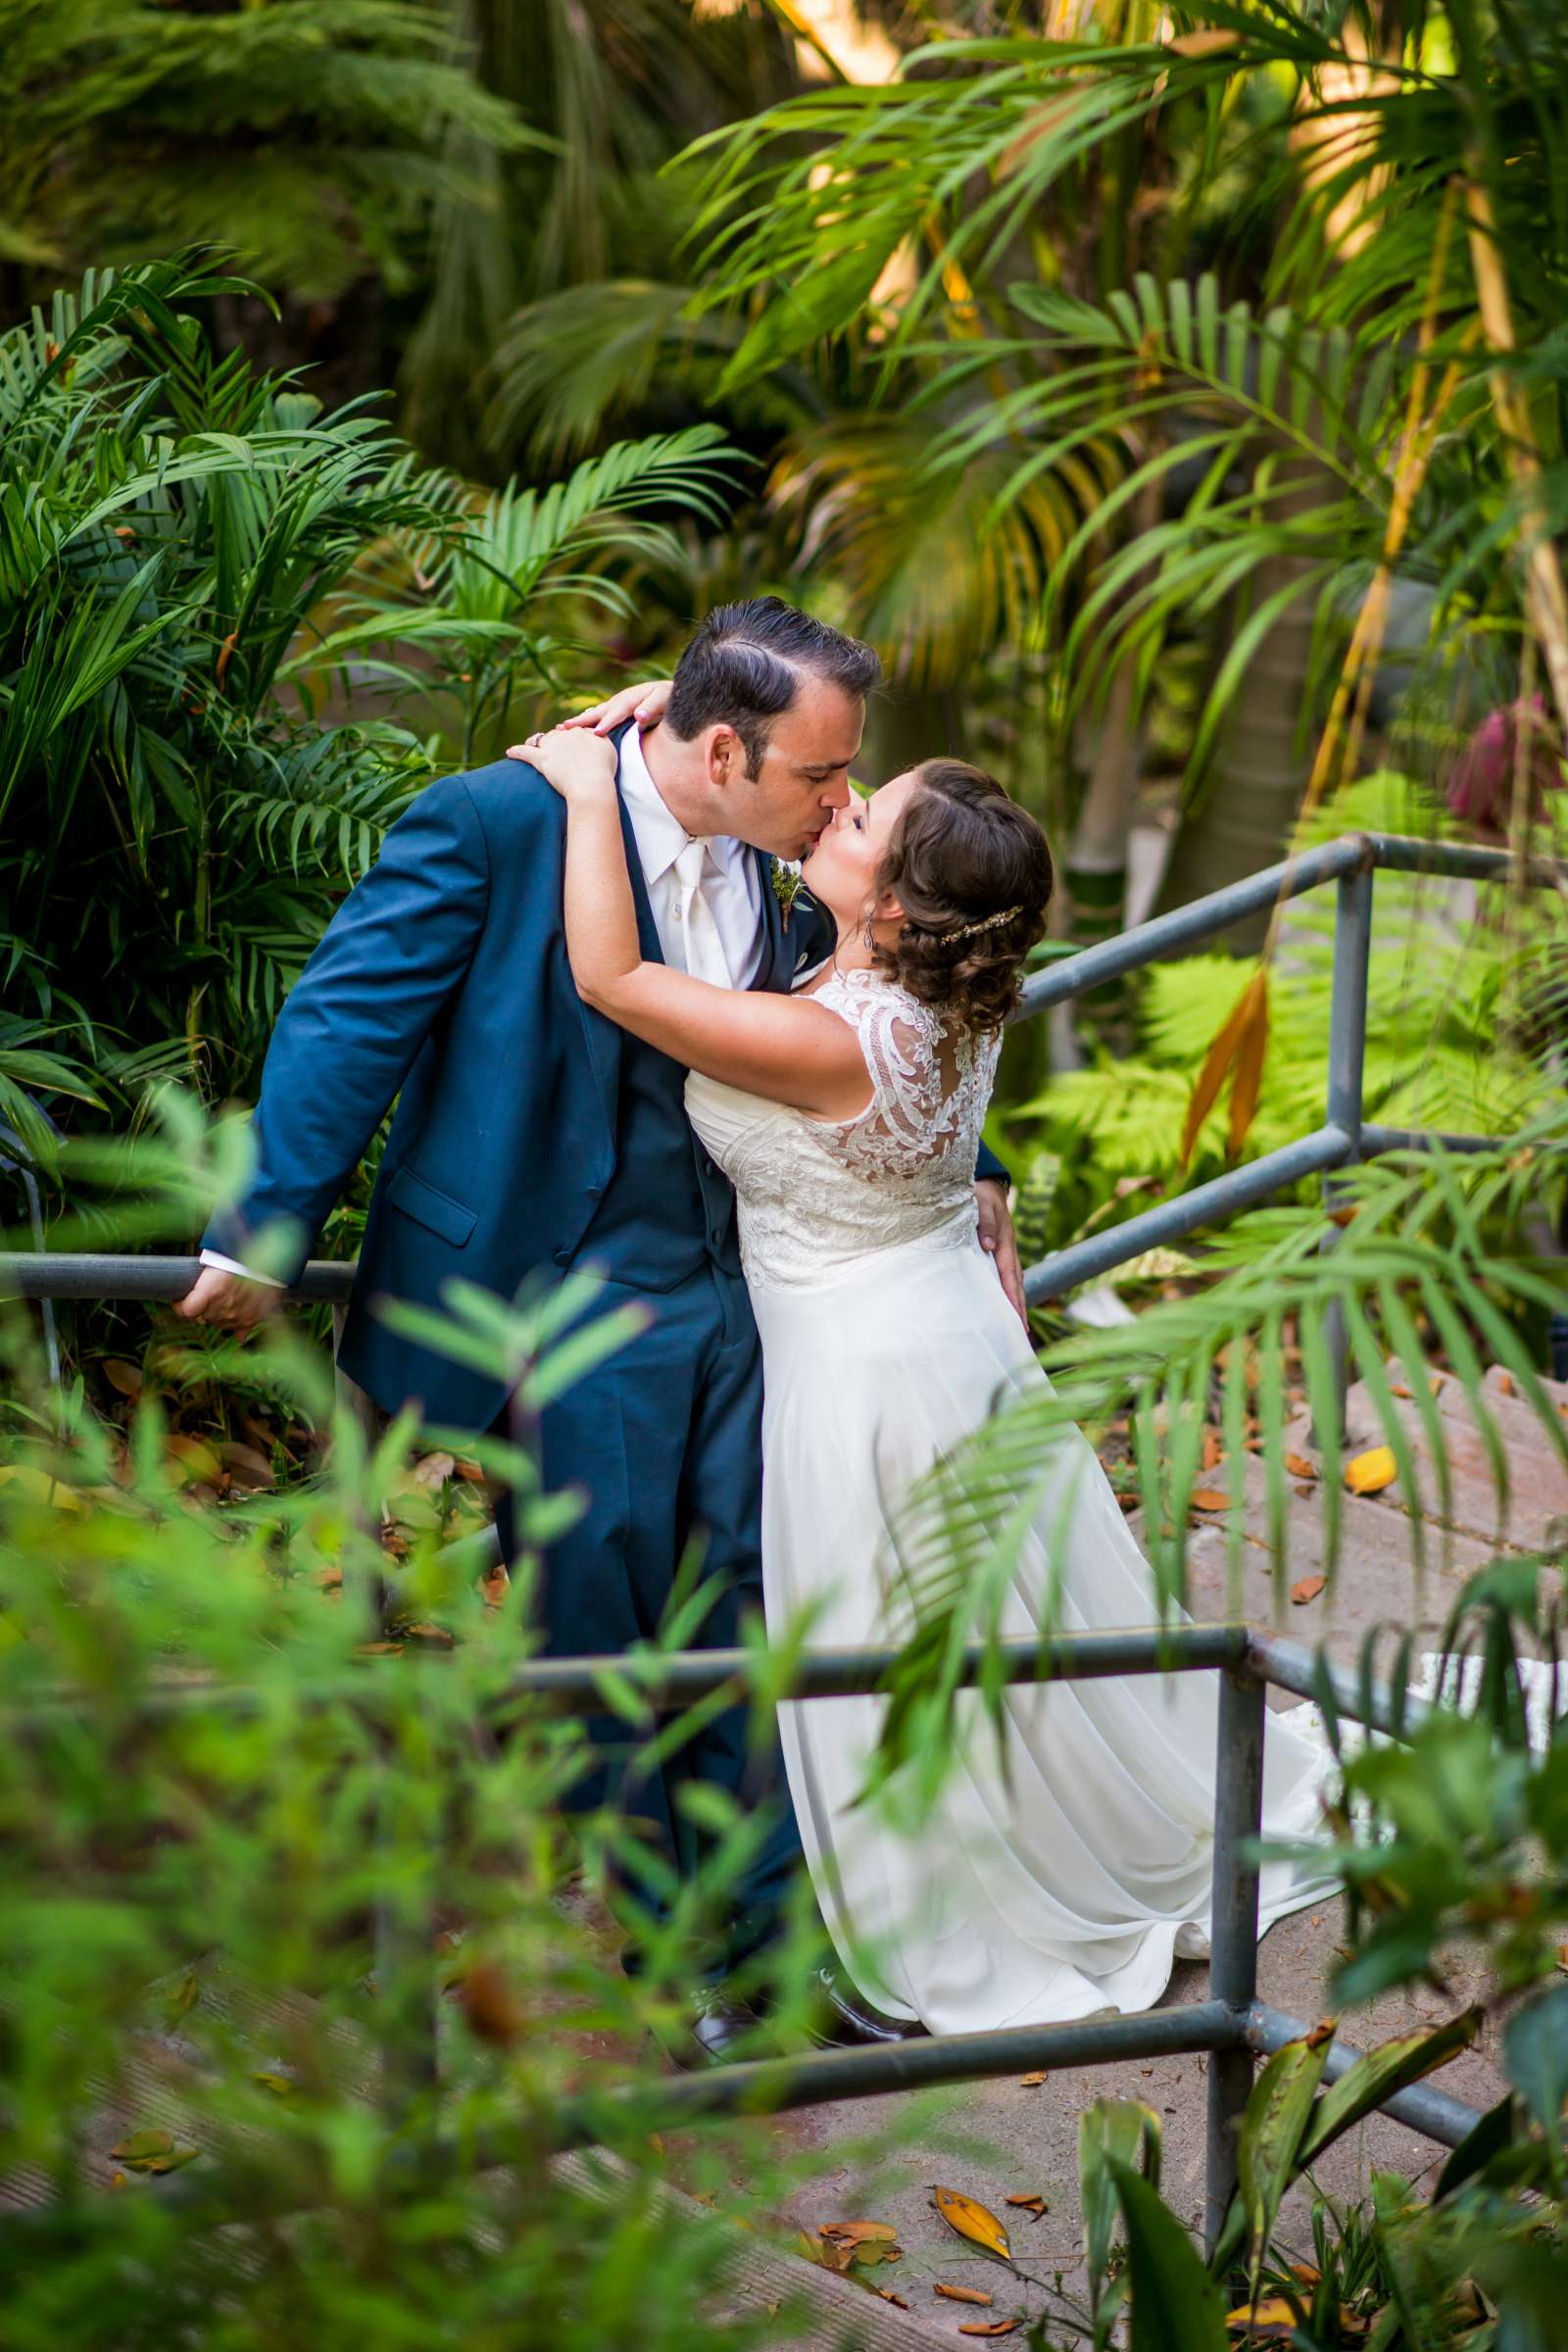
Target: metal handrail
[
  {"x": 1345, "y": 1138},
  {"x": 1233, "y": 2026}
]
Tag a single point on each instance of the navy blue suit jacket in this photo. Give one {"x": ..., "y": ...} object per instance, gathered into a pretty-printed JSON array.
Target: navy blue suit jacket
[{"x": 443, "y": 980}]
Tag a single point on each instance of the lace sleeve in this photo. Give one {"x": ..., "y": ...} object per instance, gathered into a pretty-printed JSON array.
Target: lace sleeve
[{"x": 908, "y": 1119}]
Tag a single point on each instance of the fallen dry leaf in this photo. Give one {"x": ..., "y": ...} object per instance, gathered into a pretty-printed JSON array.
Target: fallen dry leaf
[
  {"x": 1275, "y": 2313},
  {"x": 989, "y": 2326},
  {"x": 888, "y": 2296},
  {"x": 183, "y": 1997},
  {"x": 960, "y": 2294},
  {"x": 193, "y": 1459},
  {"x": 127, "y": 1378},
  {"x": 435, "y": 1469},
  {"x": 1032, "y": 2082},
  {"x": 1214, "y": 1450},
  {"x": 974, "y": 2221},
  {"x": 39, "y": 1487},
  {"x": 1504, "y": 1384},
  {"x": 1369, "y": 1473},
  {"x": 1306, "y": 1588},
  {"x": 872, "y": 2250},
  {"x": 1034, "y": 2205},
  {"x": 1298, "y": 1466},
  {"x": 854, "y": 2232},
  {"x": 151, "y": 2152},
  {"x": 490, "y": 2006},
  {"x": 246, "y": 1465},
  {"x": 1209, "y": 1498}
]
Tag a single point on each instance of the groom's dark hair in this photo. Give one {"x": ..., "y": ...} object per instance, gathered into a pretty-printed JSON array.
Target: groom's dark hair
[{"x": 745, "y": 664}]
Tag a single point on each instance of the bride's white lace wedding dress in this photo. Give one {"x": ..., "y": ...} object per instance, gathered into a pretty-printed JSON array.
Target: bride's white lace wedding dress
[{"x": 1068, "y": 1884}]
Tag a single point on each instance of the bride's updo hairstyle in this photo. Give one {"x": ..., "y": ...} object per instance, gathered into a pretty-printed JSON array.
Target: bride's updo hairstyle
[{"x": 973, "y": 872}]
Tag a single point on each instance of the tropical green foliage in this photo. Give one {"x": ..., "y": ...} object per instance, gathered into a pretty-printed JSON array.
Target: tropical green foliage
[
  {"x": 208, "y": 587},
  {"x": 249, "y": 1748},
  {"x": 1464, "y": 996},
  {"x": 311, "y": 137},
  {"x": 612, "y": 90},
  {"x": 259, "y": 1841},
  {"x": 1201, "y": 452}
]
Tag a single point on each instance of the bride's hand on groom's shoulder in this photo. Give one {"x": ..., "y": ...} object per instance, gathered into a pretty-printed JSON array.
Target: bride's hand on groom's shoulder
[
  {"x": 645, "y": 704},
  {"x": 571, "y": 760}
]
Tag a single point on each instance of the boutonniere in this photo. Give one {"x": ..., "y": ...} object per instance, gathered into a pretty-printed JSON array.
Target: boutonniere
[{"x": 786, "y": 886}]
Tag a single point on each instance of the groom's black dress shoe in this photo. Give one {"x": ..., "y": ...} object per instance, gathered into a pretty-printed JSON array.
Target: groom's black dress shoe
[
  {"x": 845, "y": 2018},
  {"x": 719, "y": 2028}
]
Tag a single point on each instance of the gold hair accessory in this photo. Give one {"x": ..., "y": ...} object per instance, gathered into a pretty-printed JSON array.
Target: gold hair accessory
[{"x": 987, "y": 923}]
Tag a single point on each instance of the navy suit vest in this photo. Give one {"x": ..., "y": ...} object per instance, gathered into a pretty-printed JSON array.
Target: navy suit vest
[{"x": 666, "y": 1206}]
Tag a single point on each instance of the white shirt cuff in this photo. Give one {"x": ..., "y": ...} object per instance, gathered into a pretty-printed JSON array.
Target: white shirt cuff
[{"x": 230, "y": 1265}]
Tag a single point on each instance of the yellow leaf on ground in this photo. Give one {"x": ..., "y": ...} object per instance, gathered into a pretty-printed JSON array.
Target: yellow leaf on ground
[
  {"x": 971, "y": 2221},
  {"x": 1306, "y": 1588},
  {"x": 1032, "y": 2082},
  {"x": 192, "y": 1460},
  {"x": 151, "y": 2152},
  {"x": 1034, "y": 2205},
  {"x": 39, "y": 1487},
  {"x": 1369, "y": 1473},
  {"x": 989, "y": 2326},
  {"x": 1275, "y": 2313},
  {"x": 960, "y": 2294},
  {"x": 1209, "y": 1498},
  {"x": 182, "y": 1996},
  {"x": 1300, "y": 1467}
]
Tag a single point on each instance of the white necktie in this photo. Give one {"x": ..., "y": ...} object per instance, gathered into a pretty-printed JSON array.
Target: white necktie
[{"x": 697, "y": 945}]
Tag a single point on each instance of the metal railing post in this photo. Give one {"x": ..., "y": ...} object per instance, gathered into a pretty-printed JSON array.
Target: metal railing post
[
  {"x": 1353, "y": 947},
  {"x": 1233, "y": 1926}
]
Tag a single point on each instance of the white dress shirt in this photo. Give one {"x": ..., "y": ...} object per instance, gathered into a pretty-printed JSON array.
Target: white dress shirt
[{"x": 730, "y": 886}]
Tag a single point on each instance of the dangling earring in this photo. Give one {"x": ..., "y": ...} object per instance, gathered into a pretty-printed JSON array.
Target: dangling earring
[{"x": 869, "y": 930}]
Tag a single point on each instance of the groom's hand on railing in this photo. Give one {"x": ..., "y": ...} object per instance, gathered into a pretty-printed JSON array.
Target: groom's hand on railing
[
  {"x": 998, "y": 1241},
  {"x": 227, "y": 1299}
]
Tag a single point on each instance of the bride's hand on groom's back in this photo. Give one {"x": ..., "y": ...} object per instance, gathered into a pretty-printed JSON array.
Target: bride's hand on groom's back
[{"x": 574, "y": 762}]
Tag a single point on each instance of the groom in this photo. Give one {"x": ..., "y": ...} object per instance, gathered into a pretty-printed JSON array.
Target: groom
[{"x": 533, "y": 1136}]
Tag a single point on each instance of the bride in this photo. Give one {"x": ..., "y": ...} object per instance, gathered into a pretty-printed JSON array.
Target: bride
[{"x": 1064, "y": 1878}]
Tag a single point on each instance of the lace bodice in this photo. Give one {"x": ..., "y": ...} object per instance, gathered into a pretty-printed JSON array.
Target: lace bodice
[{"x": 814, "y": 1192}]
